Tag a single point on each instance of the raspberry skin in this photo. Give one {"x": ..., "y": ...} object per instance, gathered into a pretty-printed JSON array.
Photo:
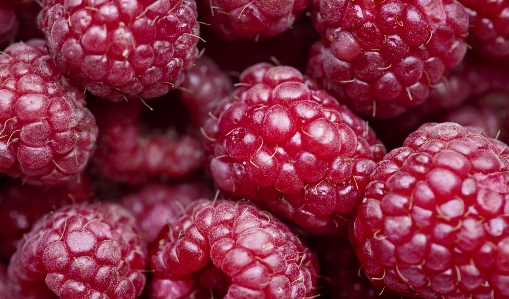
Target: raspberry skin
[
  {"x": 489, "y": 27},
  {"x": 46, "y": 134},
  {"x": 127, "y": 153},
  {"x": 380, "y": 59},
  {"x": 432, "y": 223},
  {"x": 89, "y": 251},
  {"x": 122, "y": 50},
  {"x": 22, "y": 205},
  {"x": 10, "y": 25},
  {"x": 285, "y": 144},
  {"x": 158, "y": 204},
  {"x": 204, "y": 85},
  {"x": 261, "y": 256},
  {"x": 3, "y": 280},
  {"x": 254, "y": 20}
]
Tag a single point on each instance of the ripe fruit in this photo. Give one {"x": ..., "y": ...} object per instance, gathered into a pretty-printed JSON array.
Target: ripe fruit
[
  {"x": 21, "y": 206},
  {"x": 237, "y": 246},
  {"x": 89, "y": 251},
  {"x": 122, "y": 49},
  {"x": 285, "y": 144},
  {"x": 46, "y": 134},
  {"x": 256, "y": 20},
  {"x": 10, "y": 25},
  {"x": 157, "y": 204},
  {"x": 132, "y": 153},
  {"x": 381, "y": 58},
  {"x": 432, "y": 223}
]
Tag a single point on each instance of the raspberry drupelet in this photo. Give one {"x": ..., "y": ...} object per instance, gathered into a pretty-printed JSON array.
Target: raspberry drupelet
[
  {"x": 489, "y": 26},
  {"x": 433, "y": 222},
  {"x": 131, "y": 153},
  {"x": 255, "y": 20},
  {"x": 47, "y": 135},
  {"x": 289, "y": 146},
  {"x": 122, "y": 49},
  {"x": 158, "y": 204},
  {"x": 89, "y": 251},
  {"x": 247, "y": 252},
  {"x": 21, "y": 206},
  {"x": 380, "y": 58}
]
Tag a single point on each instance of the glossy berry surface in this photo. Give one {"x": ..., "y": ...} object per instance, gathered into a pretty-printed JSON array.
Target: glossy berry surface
[
  {"x": 246, "y": 250},
  {"x": 255, "y": 20},
  {"x": 132, "y": 153},
  {"x": 381, "y": 58},
  {"x": 122, "y": 49},
  {"x": 158, "y": 204},
  {"x": 89, "y": 251},
  {"x": 432, "y": 223},
  {"x": 285, "y": 144},
  {"x": 21, "y": 206},
  {"x": 47, "y": 135}
]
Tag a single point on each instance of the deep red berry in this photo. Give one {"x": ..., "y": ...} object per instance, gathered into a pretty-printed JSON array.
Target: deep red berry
[
  {"x": 432, "y": 223},
  {"x": 10, "y": 25},
  {"x": 3, "y": 281},
  {"x": 46, "y": 134},
  {"x": 157, "y": 204},
  {"x": 129, "y": 152},
  {"x": 235, "y": 245},
  {"x": 21, "y": 206},
  {"x": 489, "y": 26},
  {"x": 381, "y": 58},
  {"x": 255, "y": 20},
  {"x": 204, "y": 85},
  {"x": 122, "y": 49},
  {"x": 285, "y": 144},
  {"x": 89, "y": 251}
]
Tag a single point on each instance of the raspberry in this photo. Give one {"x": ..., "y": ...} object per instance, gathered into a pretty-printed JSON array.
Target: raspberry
[
  {"x": 432, "y": 223},
  {"x": 255, "y": 20},
  {"x": 46, "y": 134},
  {"x": 27, "y": 15},
  {"x": 10, "y": 25},
  {"x": 489, "y": 26},
  {"x": 21, "y": 206},
  {"x": 259, "y": 255},
  {"x": 127, "y": 153},
  {"x": 121, "y": 50},
  {"x": 157, "y": 204},
  {"x": 380, "y": 59},
  {"x": 478, "y": 116},
  {"x": 3, "y": 280},
  {"x": 89, "y": 251},
  {"x": 282, "y": 142},
  {"x": 204, "y": 85}
]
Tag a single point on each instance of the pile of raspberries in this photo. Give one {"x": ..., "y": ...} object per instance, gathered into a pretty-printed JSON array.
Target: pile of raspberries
[{"x": 254, "y": 149}]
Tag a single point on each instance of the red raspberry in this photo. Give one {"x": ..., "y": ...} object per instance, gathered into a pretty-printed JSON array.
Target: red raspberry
[
  {"x": 158, "y": 204},
  {"x": 46, "y": 134},
  {"x": 10, "y": 25},
  {"x": 289, "y": 146},
  {"x": 204, "y": 85},
  {"x": 89, "y": 251},
  {"x": 21, "y": 206},
  {"x": 432, "y": 223},
  {"x": 479, "y": 116},
  {"x": 3, "y": 281},
  {"x": 122, "y": 49},
  {"x": 489, "y": 26},
  {"x": 128, "y": 152},
  {"x": 27, "y": 15},
  {"x": 255, "y": 20},
  {"x": 381, "y": 58},
  {"x": 259, "y": 255}
]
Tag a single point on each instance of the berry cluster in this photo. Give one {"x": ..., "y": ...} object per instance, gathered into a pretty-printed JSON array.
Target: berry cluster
[{"x": 287, "y": 149}]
